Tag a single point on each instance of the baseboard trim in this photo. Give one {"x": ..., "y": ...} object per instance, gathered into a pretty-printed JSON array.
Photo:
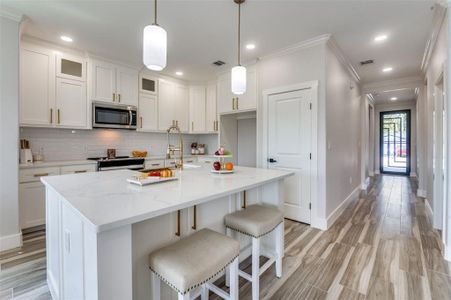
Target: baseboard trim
[
  {"x": 421, "y": 193},
  {"x": 325, "y": 224},
  {"x": 428, "y": 207},
  {"x": 413, "y": 174},
  {"x": 10, "y": 241}
]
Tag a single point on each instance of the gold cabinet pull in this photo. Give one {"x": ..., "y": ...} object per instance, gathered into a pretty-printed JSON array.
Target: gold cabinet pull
[
  {"x": 114, "y": 97},
  {"x": 192, "y": 126},
  {"x": 154, "y": 165},
  {"x": 51, "y": 115},
  {"x": 176, "y": 122},
  {"x": 194, "y": 218},
  {"x": 41, "y": 174},
  {"x": 177, "y": 232},
  {"x": 141, "y": 122},
  {"x": 119, "y": 97},
  {"x": 233, "y": 103},
  {"x": 80, "y": 171},
  {"x": 237, "y": 103},
  {"x": 244, "y": 200},
  {"x": 58, "y": 115}
]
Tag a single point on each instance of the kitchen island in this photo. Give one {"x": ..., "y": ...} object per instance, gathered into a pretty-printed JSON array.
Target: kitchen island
[{"x": 100, "y": 229}]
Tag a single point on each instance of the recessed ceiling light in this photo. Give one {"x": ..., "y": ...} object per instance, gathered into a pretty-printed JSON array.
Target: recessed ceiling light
[
  {"x": 250, "y": 46},
  {"x": 179, "y": 73},
  {"x": 67, "y": 39},
  {"x": 380, "y": 38},
  {"x": 394, "y": 98},
  {"x": 387, "y": 69}
]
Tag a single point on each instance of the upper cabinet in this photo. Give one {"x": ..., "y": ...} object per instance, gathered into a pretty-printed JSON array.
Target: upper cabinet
[
  {"x": 52, "y": 88},
  {"x": 231, "y": 103},
  {"x": 211, "y": 118},
  {"x": 37, "y": 86},
  {"x": 197, "y": 99},
  {"x": 148, "y": 113},
  {"x": 173, "y": 105},
  {"x": 112, "y": 83}
]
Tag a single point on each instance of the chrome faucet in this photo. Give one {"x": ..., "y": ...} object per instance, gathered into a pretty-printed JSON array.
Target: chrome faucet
[{"x": 172, "y": 148}]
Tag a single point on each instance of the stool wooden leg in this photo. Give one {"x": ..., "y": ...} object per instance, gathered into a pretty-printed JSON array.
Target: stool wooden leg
[
  {"x": 279, "y": 249},
  {"x": 204, "y": 292},
  {"x": 227, "y": 279},
  {"x": 255, "y": 268},
  {"x": 155, "y": 287},
  {"x": 234, "y": 283},
  {"x": 184, "y": 297}
]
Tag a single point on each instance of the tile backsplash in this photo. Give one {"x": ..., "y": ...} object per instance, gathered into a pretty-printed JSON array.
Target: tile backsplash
[{"x": 66, "y": 144}]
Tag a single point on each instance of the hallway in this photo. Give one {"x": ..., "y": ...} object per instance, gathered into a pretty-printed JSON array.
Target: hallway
[{"x": 382, "y": 247}]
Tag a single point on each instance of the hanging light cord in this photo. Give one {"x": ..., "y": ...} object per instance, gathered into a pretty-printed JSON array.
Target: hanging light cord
[
  {"x": 239, "y": 34},
  {"x": 155, "y": 23}
]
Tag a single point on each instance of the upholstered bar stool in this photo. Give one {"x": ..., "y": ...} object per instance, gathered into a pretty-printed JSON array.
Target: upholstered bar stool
[
  {"x": 257, "y": 221},
  {"x": 194, "y": 262}
]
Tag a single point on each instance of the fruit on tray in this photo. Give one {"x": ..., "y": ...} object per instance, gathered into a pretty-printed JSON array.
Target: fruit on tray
[
  {"x": 227, "y": 152},
  {"x": 217, "y": 165},
  {"x": 155, "y": 174},
  {"x": 229, "y": 166},
  {"x": 166, "y": 173},
  {"x": 220, "y": 151}
]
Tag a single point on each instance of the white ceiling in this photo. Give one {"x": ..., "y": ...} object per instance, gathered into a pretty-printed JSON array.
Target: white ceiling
[
  {"x": 402, "y": 95},
  {"x": 200, "y": 32}
]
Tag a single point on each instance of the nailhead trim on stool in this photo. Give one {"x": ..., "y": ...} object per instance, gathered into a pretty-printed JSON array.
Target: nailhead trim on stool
[{"x": 251, "y": 235}]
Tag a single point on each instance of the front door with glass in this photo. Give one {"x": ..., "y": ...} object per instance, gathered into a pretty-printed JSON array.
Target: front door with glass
[{"x": 395, "y": 142}]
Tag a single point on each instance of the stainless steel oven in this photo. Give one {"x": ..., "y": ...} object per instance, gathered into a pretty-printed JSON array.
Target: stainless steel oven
[{"x": 106, "y": 115}]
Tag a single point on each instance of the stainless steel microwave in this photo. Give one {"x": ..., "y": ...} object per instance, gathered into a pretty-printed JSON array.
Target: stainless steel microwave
[{"x": 106, "y": 115}]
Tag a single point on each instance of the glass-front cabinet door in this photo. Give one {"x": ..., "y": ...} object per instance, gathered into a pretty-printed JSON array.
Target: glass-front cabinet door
[{"x": 70, "y": 67}]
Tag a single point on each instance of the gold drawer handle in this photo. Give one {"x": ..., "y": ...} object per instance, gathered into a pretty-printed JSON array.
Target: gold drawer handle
[
  {"x": 172, "y": 163},
  {"x": 177, "y": 233},
  {"x": 41, "y": 175},
  {"x": 244, "y": 200},
  {"x": 119, "y": 97},
  {"x": 155, "y": 165},
  {"x": 51, "y": 116},
  {"x": 80, "y": 171},
  {"x": 194, "y": 218},
  {"x": 59, "y": 118}
]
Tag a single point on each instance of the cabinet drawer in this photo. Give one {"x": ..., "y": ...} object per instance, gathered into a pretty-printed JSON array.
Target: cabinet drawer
[
  {"x": 31, "y": 204},
  {"x": 33, "y": 175},
  {"x": 77, "y": 169},
  {"x": 190, "y": 160},
  {"x": 207, "y": 160},
  {"x": 154, "y": 164}
]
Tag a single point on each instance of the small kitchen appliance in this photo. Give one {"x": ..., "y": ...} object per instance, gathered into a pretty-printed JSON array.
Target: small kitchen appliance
[{"x": 26, "y": 157}]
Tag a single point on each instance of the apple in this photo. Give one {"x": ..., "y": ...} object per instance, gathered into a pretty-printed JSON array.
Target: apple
[{"x": 217, "y": 165}]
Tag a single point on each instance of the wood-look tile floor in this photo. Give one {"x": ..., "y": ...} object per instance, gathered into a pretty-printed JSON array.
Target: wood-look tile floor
[{"x": 382, "y": 247}]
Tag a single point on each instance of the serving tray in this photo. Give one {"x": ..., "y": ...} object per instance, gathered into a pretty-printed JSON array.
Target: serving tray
[{"x": 149, "y": 180}]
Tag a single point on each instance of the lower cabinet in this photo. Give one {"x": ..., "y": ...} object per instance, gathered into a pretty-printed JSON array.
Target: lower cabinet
[{"x": 31, "y": 204}]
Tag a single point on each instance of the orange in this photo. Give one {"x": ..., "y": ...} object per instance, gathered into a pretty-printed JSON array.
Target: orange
[{"x": 229, "y": 166}]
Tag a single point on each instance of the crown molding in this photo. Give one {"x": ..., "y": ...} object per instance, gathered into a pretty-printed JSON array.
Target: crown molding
[
  {"x": 11, "y": 15},
  {"x": 319, "y": 40},
  {"x": 439, "y": 18},
  {"x": 343, "y": 59}
]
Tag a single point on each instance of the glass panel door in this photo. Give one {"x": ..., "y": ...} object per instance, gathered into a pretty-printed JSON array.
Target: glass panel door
[{"x": 395, "y": 142}]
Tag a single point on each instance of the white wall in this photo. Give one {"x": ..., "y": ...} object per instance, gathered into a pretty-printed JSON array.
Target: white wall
[
  {"x": 291, "y": 67},
  {"x": 10, "y": 235},
  {"x": 343, "y": 125},
  {"x": 411, "y": 105},
  {"x": 65, "y": 144},
  {"x": 247, "y": 142}
]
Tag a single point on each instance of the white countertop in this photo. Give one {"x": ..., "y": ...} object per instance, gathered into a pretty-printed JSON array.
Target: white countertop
[
  {"x": 57, "y": 163},
  {"x": 105, "y": 200}
]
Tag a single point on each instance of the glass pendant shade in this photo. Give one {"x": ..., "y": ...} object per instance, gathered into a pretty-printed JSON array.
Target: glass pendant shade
[
  {"x": 154, "y": 47},
  {"x": 238, "y": 80}
]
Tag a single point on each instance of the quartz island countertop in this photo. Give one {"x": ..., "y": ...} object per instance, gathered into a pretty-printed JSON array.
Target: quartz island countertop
[{"x": 105, "y": 200}]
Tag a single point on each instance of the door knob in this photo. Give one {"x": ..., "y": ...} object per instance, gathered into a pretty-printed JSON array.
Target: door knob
[{"x": 272, "y": 160}]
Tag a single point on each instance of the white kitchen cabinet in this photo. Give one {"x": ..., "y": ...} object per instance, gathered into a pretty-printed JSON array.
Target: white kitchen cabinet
[
  {"x": 166, "y": 104},
  {"x": 127, "y": 86},
  {"x": 231, "y": 103},
  {"x": 197, "y": 101},
  {"x": 71, "y": 103},
  {"x": 211, "y": 119},
  {"x": 70, "y": 67},
  {"x": 31, "y": 204},
  {"x": 113, "y": 83},
  {"x": 154, "y": 164},
  {"x": 173, "y": 105},
  {"x": 76, "y": 169},
  {"x": 148, "y": 113},
  {"x": 181, "y": 107},
  {"x": 37, "y": 86}
]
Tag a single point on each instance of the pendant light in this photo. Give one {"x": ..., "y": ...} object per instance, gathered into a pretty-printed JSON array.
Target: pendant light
[
  {"x": 154, "y": 45},
  {"x": 239, "y": 72}
]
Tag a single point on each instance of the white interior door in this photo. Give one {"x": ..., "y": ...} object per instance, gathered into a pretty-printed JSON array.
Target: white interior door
[{"x": 289, "y": 148}]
